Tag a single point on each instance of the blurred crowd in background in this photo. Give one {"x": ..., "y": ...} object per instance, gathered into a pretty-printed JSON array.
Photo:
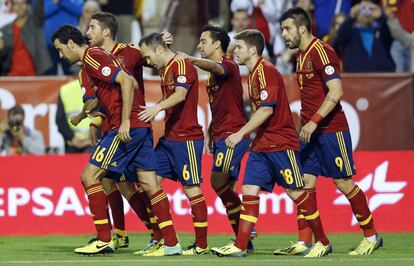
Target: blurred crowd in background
[{"x": 369, "y": 36}]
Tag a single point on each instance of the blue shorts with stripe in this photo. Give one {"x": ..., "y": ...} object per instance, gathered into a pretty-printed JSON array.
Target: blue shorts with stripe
[
  {"x": 329, "y": 155},
  {"x": 264, "y": 169},
  {"x": 115, "y": 156},
  {"x": 227, "y": 161},
  {"x": 180, "y": 160}
]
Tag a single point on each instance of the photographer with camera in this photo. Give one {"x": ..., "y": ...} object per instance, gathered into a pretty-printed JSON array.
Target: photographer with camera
[{"x": 15, "y": 138}]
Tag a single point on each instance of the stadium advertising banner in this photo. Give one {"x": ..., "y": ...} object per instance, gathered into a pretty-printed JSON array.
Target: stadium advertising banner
[
  {"x": 372, "y": 103},
  {"x": 43, "y": 195}
]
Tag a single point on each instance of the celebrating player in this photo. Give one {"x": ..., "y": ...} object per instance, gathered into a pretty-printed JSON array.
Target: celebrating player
[
  {"x": 180, "y": 150},
  {"x": 226, "y": 102},
  {"x": 274, "y": 152},
  {"x": 102, "y": 32},
  {"x": 325, "y": 137},
  {"x": 127, "y": 144}
]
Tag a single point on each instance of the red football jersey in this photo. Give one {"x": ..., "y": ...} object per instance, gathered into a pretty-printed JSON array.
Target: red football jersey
[
  {"x": 181, "y": 122},
  {"x": 101, "y": 68},
  {"x": 226, "y": 101},
  {"x": 266, "y": 88},
  {"x": 315, "y": 66}
]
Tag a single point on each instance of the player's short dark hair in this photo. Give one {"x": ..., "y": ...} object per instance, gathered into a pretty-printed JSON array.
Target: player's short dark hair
[
  {"x": 300, "y": 17},
  {"x": 17, "y": 109},
  {"x": 107, "y": 21},
  {"x": 252, "y": 38},
  {"x": 218, "y": 34},
  {"x": 68, "y": 32},
  {"x": 152, "y": 40}
]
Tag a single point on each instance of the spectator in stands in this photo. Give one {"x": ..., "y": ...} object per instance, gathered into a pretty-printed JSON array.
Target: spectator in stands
[
  {"x": 264, "y": 16},
  {"x": 74, "y": 133},
  {"x": 404, "y": 37},
  {"x": 325, "y": 11},
  {"x": 23, "y": 51},
  {"x": 364, "y": 40},
  {"x": 90, "y": 7},
  {"x": 15, "y": 138},
  {"x": 57, "y": 13},
  {"x": 402, "y": 20},
  {"x": 336, "y": 23},
  {"x": 124, "y": 13},
  {"x": 7, "y": 15}
]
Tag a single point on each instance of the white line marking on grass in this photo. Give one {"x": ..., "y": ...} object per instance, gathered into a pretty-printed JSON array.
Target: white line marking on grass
[{"x": 205, "y": 260}]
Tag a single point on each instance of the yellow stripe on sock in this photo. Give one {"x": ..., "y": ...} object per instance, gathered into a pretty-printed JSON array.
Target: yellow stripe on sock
[
  {"x": 350, "y": 196},
  {"x": 366, "y": 221},
  {"x": 301, "y": 216},
  {"x": 312, "y": 216},
  {"x": 233, "y": 211},
  {"x": 165, "y": 224},
  {"x": 102, "y": 221},
  {"x": 200, "y": 224},
  {"x": 248, "y": 218}
]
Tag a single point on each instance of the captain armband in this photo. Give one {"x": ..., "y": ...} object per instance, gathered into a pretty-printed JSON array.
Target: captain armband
[{"x": 96, "y": 122}]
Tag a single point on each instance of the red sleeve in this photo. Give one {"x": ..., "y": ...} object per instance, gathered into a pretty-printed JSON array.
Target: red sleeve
[
  {"x": 101, "y": 65},
  {"x": 326, "y": 62},
  {"x": 269, "y": 85},
  {"x": 184, "y": 74},
  {"x": 88, "y": 92}
]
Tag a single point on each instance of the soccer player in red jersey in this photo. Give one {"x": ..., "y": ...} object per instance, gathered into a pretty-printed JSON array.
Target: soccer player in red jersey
[
  {"x": 180, "y": 150},
  {"x": 102, "y": 32},
  {"x": 127, "y": 145},
  {"x": 326, "y": 141},
  {"x": 274, "y": 152},
  {"x": 226, "y": 103}
]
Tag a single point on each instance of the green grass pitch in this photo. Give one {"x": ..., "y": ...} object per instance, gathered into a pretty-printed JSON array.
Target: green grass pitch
[{"x": 58, "y": 250}]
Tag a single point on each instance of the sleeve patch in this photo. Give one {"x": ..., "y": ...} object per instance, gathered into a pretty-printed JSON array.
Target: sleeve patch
[
  {"x": 181, "y": 79},
  {"x": 329, "y": 70},
  {"x": 264, "y": 95},
  {"x": 106, "y": 71}
]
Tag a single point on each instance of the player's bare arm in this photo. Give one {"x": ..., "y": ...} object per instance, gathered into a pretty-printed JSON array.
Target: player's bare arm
[
  {"x": 204, "y": 64},
  {"x": 331, "y": 100},
  {"x": 127, "y": 88},
  {"x": 87, "y": 108},
  {"x": 150, "y": 112},
  {"x": 257, "y": 119}
]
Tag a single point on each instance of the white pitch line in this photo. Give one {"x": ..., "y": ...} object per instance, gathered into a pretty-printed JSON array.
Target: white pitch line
[{"x": 204, "y": 260}]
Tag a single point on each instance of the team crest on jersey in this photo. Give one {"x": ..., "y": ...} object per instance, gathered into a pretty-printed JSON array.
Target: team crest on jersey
[
  {"x": 309, "y": 68},
  {"x": 254, "y": 93},
  {"x": 181, "y": 79},
  {"x": 329, "y": 70},
  {"x": 106, "y": 71}
]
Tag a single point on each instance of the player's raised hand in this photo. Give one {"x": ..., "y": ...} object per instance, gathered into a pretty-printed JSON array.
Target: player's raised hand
[
  {"x": 123, "y": 131},
  {"x": 149, "y": 113},
  {"x": 307, "y": 131},
  {"x": 167, "y": 37},
  {"x": 232, "y": 140}
]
